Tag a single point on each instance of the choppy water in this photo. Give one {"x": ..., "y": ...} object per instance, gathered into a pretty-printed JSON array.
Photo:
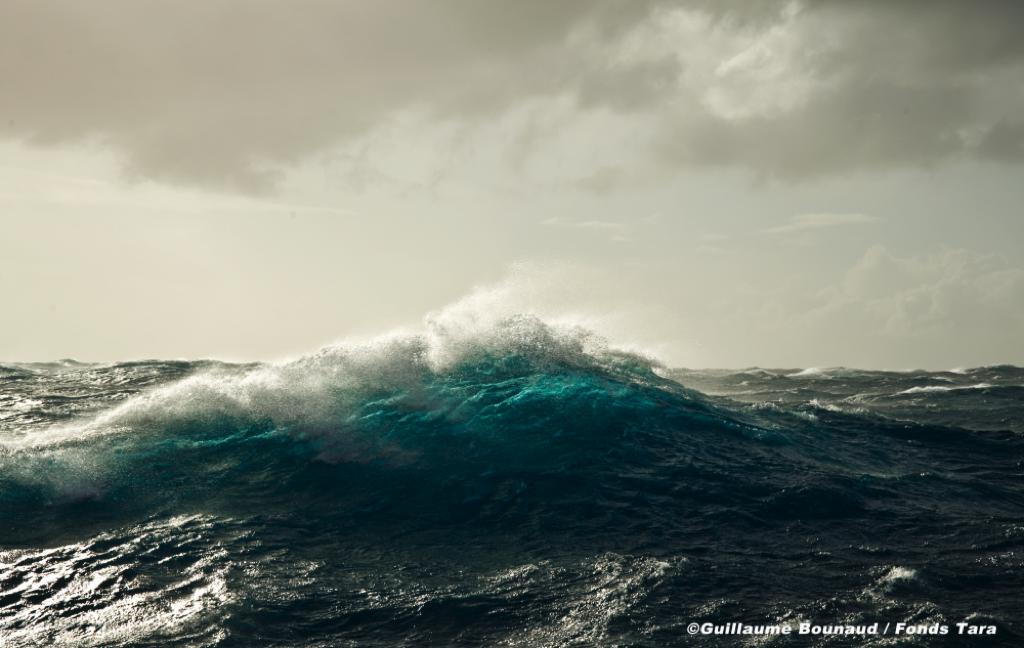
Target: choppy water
[{"x": 520, "y": 486}]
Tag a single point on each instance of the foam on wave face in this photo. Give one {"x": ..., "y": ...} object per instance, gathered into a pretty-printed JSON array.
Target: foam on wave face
[
  {"x": 314, "y": 388},
  {"x": 478, "y": 414},
  {"x": 381, "y": 400}
]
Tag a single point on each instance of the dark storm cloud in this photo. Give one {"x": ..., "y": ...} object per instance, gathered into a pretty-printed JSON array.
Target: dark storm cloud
[
  {"x": 215, "y": 92},
  {"x": 224, "y": 93},
  {"x": 893, "y": 84}
]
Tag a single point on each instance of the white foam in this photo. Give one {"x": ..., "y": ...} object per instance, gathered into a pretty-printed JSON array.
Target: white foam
[
  {"x": 926, "y": 389},
  {"x": 809, "y": 372},
  {"x": 315, "y": 388},
  {"x": 897, "y": 574},
  {"x": 828, "y": 407}
]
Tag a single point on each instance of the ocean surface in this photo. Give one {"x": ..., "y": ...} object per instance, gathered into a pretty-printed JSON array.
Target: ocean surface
[{"x": 518, "y": 486}]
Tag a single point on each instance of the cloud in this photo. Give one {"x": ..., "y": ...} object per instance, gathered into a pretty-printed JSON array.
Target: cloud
[
  {"x": 614, "y": 231},
  {"x": 830, "y": 87},
  {"x": 973, "y": 295},
  {"x": 939, "y": 308},
  {"x": 900, "y": 309},
  {"x": 599, "y": 225},
  {"x": 235, "y": 93},
  {"x": 805, "y": 222},
  {"x": 936, "y": 309},
  {"x": 227, "y": 93},
  {"x": 896, "y": 311}
]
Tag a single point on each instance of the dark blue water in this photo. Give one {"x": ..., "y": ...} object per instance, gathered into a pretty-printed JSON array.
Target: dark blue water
[{"x": 518, "y": 487}]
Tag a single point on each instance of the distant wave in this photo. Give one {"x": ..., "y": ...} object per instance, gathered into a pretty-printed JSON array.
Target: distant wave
[
  {"x": 925, "y": 389},
  {"x": 809, "y": 372}
]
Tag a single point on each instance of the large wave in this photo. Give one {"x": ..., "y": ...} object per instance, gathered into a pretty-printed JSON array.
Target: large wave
[
  {"x": 518, "y": 477},
  {"x": 507, "y": 421},
  {"x": 458, "y": 421}
]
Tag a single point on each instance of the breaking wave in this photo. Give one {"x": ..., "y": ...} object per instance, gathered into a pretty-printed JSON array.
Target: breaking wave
[{"x": 496, "y": 482}]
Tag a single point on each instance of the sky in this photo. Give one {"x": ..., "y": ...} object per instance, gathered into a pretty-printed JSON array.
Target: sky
[{"x": 718, "y": 184}]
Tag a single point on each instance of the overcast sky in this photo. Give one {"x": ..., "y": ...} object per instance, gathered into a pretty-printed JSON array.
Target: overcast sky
[{"x": 719, "y": 183}]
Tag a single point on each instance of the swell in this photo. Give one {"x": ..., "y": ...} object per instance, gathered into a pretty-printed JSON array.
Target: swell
[
  {"x": 411, "y": 426},
  {"x": 516, "y": 425}
]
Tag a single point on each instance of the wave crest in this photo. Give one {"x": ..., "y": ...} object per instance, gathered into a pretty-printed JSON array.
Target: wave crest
[{"x": 518, "y": 395}]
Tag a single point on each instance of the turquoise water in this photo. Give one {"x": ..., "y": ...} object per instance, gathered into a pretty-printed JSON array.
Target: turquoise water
[{"x": 524, "y": 486}]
